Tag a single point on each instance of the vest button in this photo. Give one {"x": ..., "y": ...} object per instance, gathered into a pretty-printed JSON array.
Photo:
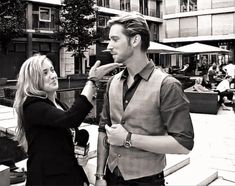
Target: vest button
[
  {"x": 119, "y": 155},
  {"x": 123, "y": 121},
  {"x": 126, "y": 101}
]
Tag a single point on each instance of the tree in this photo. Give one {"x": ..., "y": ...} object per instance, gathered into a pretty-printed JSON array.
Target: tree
[
  {"x": 12, "y": 20},
  {"x": 77, "y": 25}
]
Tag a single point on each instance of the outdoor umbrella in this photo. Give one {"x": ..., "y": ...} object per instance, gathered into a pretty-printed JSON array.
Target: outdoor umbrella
[
  {"x": 201, "y": 48},
  {"x": 160, "y": 48}
]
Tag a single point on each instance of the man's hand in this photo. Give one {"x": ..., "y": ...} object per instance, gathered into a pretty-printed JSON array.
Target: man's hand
[
  {"x": 97, "y": 72},
  {"x": 116, "y": 134}
]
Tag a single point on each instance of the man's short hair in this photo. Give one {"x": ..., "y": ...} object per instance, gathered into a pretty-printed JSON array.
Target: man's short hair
[
  {"x": 227, "y": 77},
  {"x": 133, "y": 23}
]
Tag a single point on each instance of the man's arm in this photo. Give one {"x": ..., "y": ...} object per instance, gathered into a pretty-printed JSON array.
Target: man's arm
[
  {"x": 176, "y": 118},
  {"x": 158, "y": 144}
]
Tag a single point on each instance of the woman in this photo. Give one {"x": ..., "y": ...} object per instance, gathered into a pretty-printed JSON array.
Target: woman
[{"x": 44, "y": 123}]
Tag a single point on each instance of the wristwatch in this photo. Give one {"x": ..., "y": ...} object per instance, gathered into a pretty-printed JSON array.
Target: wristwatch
[{"x": 127, "y": 142}]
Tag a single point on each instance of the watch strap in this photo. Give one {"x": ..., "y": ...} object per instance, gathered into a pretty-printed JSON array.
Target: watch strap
[{"x": 128, "y": 137}]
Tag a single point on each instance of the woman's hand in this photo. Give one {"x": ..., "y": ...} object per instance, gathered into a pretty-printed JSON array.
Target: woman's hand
[
  {"x": 100, "y": 183},
  {"x": 97, "y": 72},
  {"x": 82, "y": 160}
]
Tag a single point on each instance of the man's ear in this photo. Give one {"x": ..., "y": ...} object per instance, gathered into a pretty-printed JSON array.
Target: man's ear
[{"x": 136, "y": 40}]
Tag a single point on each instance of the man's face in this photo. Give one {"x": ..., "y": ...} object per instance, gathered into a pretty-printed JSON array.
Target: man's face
[{"x": 119, "y": 45}]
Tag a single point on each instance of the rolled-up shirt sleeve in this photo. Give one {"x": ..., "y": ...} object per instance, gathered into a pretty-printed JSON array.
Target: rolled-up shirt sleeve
[{"x": 175, "y": 112}]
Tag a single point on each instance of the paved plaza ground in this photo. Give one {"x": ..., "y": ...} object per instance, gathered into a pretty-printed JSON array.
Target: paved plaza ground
[{"x": 215, "y": 142}]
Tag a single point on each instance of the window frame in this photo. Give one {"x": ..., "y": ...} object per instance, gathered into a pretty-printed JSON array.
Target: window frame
[
  {"x": 105, "y": 21},
  {"x": 44, "y": 20}
]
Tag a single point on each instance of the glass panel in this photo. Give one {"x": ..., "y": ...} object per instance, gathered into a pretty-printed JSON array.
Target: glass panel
[
  {"x": 172, "y": 28},
  {"x": 101, "y": 21},
  {"x": 192, "y": 5},
  {"x": 204, "y": 25},
  {"x": 183, "y": 5},
  {"x": 35, "y": 47},
  {"x": 122, "y": 6},
  {"x": 171, "y": 7},
  {"x": 44, "y": 47},
  {"x": 141, "y": 6},
  {"x": 35, "y": 21},
  {"x": 20, "y": 47},
  {"x": 188, "y": 5},
  {"x": 223, "y": 24},
  {"x": 107, "y": 3},
  {"x": 145, "y": 7},
  {"x": 99, "y": 2},
  {"x": 128, "y": 6},
  {"x": 188, "y": 27},
  {"x": 222, "y": 3},
  {"x": 45, "y": 14},
  {"x": 44, "y": 25}
]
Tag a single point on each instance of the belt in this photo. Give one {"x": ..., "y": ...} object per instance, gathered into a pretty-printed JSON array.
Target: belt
[{"x": 118, "y": 173}]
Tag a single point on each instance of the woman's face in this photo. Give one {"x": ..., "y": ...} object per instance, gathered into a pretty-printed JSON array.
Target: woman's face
[{"x": 50, "y": 79}]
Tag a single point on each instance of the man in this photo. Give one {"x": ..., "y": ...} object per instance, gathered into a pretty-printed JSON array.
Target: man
[
  {"x": 145, "y": 113},
  {"x": 226, "y": 94},
  {"x": 212, "y": 75},
  {"x": 230, "y": 69}
]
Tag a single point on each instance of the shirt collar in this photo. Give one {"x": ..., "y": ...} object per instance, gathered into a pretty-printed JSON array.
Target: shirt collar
[{"x": 144, "y": 73}]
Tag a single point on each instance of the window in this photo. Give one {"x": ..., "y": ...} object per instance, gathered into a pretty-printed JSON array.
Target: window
[
  {"x": 44, "y": 18},
  {"x": 44, "y": 14},
  {"x": 103, "y": 3},
  {"x": 125, "y": 5},
  {"x": 188, "y": 27},
  {"x": 188, "y": 5},
  {"x": 155, "y": 32},
  {"x": 102, "y": 21}
]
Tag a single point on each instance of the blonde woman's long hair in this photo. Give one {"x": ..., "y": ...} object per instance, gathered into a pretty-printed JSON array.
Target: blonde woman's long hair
[{"x": 30, "y": 83}]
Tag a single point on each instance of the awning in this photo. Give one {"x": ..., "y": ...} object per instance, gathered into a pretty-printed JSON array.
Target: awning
[
  {"x": 52, "y": 2},
  {"x": 201, "y": 48},
  {"x": 160, "y": 48}
]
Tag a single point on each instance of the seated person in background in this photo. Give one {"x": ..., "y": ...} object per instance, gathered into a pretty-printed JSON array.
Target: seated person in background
[
  {"x": 198, "y": 86},
  {"x": 185, "y": 67},
  {"x": 226, "y": 95},
  {"x": 222, "y": 72},
  {"x": 212, "y": 75}
]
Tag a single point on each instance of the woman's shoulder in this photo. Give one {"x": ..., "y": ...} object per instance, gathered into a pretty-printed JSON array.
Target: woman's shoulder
[{"x": 32, "y": 100}]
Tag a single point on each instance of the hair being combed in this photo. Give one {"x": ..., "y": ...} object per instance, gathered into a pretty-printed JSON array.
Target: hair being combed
[
  {"x": 29, "y": 83},
  {"x": 134, "y": 23}
]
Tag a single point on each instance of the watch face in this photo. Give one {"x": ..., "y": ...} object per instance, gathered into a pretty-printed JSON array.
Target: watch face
[{"x": 127, "y": 144}]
